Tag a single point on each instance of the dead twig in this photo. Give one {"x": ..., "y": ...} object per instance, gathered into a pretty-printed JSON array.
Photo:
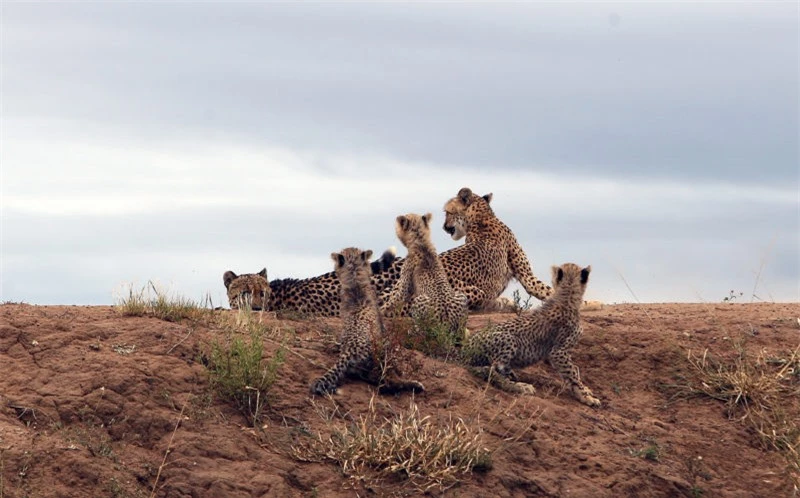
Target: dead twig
[
  {"x": 169, "y": 447},
  {"x": 180, "y": 342}
]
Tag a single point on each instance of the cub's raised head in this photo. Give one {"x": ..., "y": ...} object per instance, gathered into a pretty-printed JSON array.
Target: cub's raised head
[
  {"x": 351, "y": 259},
  {"x": 571, "y": 275},
  {"x": 458, "y": 210},
  {"x": 412, "y": 227},
  {"x": 250, "y": 290}
]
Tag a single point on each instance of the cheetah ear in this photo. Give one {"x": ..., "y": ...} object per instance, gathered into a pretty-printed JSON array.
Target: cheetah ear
[
  {"x": 558, "y": 274},
  {"x": 465, "y": 195},
  {"x": 365, "y": 255},
  {"x": 427, "y": 219},
  {"x": 263, "y": 273},
  {"x": 488, "y": 198},
  {"x": 402, "y": 222},
  {"x": 338, "y": 259},
  {"x": 585, "y": 274},
  {"x": 227, "y": 278}
]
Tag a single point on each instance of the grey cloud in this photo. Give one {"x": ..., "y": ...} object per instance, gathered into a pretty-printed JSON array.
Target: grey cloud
[{"x": 706, "y": 92}]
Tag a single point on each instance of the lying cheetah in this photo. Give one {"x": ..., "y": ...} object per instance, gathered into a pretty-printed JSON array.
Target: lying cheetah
[
  {"x": 317, "y": 295},
  {"x": 248, "y": 290},
  {"x": 548, "y": 332},
  {"x": 423, "y": 282},
  {"x": 364, "y": 352}
]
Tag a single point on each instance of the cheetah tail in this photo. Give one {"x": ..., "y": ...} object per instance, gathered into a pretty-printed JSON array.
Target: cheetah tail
[{"x": 384, "y": 262}]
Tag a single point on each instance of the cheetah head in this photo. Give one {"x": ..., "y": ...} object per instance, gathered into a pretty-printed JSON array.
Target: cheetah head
[
  {"x": 570, "y": 274},
  {"x": 351, "y": 259},
  {"x": 456, "y": 211},
  {"x": 411, "y": 227},
  {"x": 248, "y": 290}
]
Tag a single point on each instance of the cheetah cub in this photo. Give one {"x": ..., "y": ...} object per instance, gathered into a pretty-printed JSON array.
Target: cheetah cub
[
  {"x": 365, "y": 352},
  {"x": 423, "y": 281},
  {"x": 548, "y": 332}
]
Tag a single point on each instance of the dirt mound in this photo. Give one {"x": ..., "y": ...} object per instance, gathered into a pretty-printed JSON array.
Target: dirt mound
[{"x": 95, "y": 403}]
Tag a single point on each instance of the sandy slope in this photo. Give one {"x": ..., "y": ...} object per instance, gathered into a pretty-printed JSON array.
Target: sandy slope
[{"x": 90, "y": 400}]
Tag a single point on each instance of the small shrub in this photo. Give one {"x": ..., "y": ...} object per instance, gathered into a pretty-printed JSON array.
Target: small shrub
[
  {"x": 240, "y": 372},
  {"x": 431, "y": 336},
  {"x": 520, "y": 305},
  {"x": 429, "y": 454},
  {"x": 732, "y": 297},
  {"x": 650, "y": 452}
]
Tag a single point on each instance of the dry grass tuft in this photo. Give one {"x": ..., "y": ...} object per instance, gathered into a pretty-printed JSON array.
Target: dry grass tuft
[
  {"x": 429, "y": 453},
  {"x": 760, "y": 391},
  {"x": 153, "y": 301}
]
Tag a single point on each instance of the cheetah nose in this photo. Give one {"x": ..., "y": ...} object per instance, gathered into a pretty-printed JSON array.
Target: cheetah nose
[{"x": 450, "y": 230}]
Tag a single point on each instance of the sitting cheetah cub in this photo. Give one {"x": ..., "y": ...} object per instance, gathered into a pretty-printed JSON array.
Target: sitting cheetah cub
[
  {"x": 423, "y": 281},
  {"x": 364, "y": 351},
  {"x": 548, "y": 332}
]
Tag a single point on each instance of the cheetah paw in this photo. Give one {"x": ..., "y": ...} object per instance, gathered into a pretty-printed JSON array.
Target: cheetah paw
[
  {"x": 525, "y": 388},
  {"x": 590, "y": 400}
]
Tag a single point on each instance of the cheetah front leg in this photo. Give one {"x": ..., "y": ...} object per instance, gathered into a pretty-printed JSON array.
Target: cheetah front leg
[
  {"x": 499, "y": 373},
  {"x": 345, "y": 364},
  {"x": 521, "y": 270},
  {"x": 569, "y": 371},
  {"x": 500, "y": 381}
]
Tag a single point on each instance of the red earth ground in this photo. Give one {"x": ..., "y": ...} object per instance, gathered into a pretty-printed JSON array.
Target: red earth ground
[{"x": 92, "y": 400}]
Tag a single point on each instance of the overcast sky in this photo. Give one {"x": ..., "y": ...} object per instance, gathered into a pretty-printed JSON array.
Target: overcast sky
[{"x": 171, "y": 142}]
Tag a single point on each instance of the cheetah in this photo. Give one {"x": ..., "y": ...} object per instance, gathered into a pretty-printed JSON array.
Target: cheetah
[
  {"x": 490, "y": 257},
  {"x": 423, "y": 282},
  {"x": 548, "y": 332},
  {"x": 365, "y": 352},
  {"x": 317, "y": 295},
  {"x": 481, "y": 268},
  {"x": 248, "y": 290}
]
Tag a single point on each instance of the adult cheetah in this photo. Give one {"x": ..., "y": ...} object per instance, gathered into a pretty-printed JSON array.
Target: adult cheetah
[
  {"x": 365, "y": 351},
  {"x": 490, "y": 257},
  {"x": 317, "y": 295},
  {"x": 248, "y": 290},
  {"x": 423, "y": 281},
  {"x": 548, "y": 332}
]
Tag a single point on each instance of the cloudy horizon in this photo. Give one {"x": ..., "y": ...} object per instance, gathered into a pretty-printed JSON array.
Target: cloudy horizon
[{"x": 172, "y": 142}]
